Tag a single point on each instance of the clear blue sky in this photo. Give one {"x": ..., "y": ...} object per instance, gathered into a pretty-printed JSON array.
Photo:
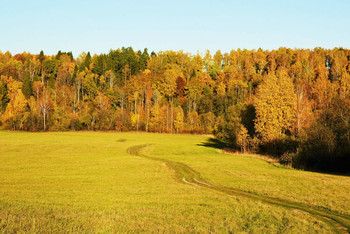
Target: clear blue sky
[{"x": 191, "y": 26}]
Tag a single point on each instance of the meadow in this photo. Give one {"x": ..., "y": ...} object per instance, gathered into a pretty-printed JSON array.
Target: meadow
[{"x": 134, "y": 182}]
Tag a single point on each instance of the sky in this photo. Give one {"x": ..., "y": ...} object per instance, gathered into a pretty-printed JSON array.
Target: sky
[{"x": 189, "y": 25}]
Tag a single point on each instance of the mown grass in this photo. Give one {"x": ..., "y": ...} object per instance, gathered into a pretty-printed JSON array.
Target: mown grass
[
  {"x": 327, "y": 191},
  {"x": 87, "y": 182}
]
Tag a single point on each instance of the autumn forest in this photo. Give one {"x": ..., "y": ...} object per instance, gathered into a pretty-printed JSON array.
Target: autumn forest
[{"x": 293, "y": 104}]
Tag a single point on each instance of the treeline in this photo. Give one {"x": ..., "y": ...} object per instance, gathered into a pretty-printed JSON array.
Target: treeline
[{"x": 292, "y": 103}]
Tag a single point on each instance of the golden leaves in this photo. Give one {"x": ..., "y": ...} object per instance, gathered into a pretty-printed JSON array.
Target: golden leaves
[{"x": 275, "y": 105}]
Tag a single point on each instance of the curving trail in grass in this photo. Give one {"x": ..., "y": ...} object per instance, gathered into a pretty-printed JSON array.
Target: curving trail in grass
[{"x": 185, "y": 174}]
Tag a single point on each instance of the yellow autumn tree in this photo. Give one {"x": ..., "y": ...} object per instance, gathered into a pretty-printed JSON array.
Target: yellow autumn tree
[
  {"x": 345, "y": 84},
  {"x": 179, "y": 119},
  {"x": 243, "y": 138},
  {"x": 304, "y": 113},
  {"x": 275, "y": 105},
  {"x": 15, "y": 109},
  {"x": 155, "y": 120}
]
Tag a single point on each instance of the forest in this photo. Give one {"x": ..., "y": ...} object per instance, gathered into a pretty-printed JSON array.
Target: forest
[{"x": 293, "y": 104}]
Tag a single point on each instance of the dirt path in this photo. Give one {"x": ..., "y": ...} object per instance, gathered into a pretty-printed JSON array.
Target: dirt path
[{"x": 185, "y": 174}]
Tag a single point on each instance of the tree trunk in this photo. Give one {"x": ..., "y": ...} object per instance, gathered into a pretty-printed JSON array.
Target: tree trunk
[
  {"x": 167, "y": 117},
  {"x": 172, "y": 116},
  {"x": 122, "y": 104},
  {"x": 135, "y": 106},
  {"x": 147, "y": 108},
  {"x": 44, "y": 121},
  {"x": 137, "y": 124}
]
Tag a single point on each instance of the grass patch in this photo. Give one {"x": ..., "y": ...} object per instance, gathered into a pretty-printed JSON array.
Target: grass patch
[
  {"x": 87, "y": 182},
  {"x": 121, "y": 140}
]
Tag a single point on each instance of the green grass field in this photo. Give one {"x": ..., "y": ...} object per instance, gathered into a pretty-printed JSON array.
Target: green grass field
[{"x": 132, "y": 182}]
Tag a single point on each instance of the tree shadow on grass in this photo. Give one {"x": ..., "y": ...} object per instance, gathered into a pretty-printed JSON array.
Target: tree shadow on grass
[{"x": 213, "y": 143}]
